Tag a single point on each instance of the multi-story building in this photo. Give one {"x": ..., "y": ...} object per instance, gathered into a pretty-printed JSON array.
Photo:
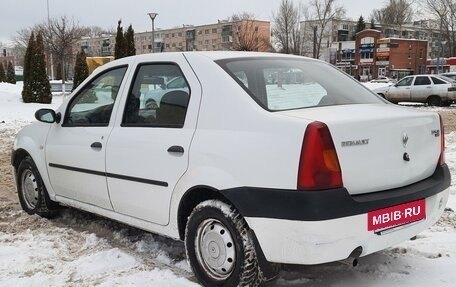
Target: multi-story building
[
  {"x": 339, "y": 30},
  {"x": 376, "y": 55},
  {"x": 223, "y": 35}
]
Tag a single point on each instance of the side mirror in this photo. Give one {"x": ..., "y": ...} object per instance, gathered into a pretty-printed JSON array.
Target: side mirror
[{"x": 47, "y": 116}]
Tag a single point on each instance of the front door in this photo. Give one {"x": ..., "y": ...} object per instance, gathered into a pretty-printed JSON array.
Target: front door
[
  {"x": 148, "y": 149},
  {"x": 400, "y": 91},
  {"x": 75, "y": 150}
]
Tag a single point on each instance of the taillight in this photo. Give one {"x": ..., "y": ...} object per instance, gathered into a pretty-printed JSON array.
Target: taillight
[
  {"x": 442, "y": 143},
  {"x": 318, "y": 166}
]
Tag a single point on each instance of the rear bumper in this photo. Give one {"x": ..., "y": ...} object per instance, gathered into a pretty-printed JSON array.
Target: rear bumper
[
  {"x": 312, "y": 227},
  {"x": 315, "y": 242}
]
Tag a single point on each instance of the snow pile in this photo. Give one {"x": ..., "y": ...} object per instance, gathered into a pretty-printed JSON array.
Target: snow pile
[
  {"x": 14, "y": 112},
  {"x": 80, "y": 249}
]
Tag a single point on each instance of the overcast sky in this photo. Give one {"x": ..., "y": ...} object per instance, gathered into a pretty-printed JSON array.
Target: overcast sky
[{"x": 18, "y": 14}]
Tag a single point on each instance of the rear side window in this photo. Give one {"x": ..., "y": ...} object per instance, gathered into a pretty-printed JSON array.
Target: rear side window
[
  {"x": 159, "y": 97},
  {"x": 279, "y": 84},
  {"x": 422, "y": 81}
]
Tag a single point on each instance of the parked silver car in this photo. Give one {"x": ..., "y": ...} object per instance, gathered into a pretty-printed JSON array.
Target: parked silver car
[{"x": 433, "y": 90}]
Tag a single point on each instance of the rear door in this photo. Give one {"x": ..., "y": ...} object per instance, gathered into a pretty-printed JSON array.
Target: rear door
[
  {"x": 148, "y": 148},
  {"x": 422, "y": 88}
]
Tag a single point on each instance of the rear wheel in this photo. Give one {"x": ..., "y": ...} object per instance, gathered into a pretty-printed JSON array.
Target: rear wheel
[
  {"x": 434, "y": 101},
  {"x": 32, "y": 193},
  {"x": 219, "y": 247}
]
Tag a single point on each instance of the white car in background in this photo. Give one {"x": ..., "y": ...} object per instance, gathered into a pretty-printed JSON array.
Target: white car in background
[
  {"x": 433, "y": 90},
  {"x": 261, "y": 160}
]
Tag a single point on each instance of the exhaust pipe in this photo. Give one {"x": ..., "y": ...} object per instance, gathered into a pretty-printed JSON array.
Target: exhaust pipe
[{"x": 352, "y": 260}]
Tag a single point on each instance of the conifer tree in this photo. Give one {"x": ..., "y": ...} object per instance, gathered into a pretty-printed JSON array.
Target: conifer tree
[
  {"x": 40, "y": 86},
  {"x": 361, "y": 24},
  {"x": 120, "y": 46},
  {"x": 81, "y": 70},
  {"x": 10, "y": 73},
  {"x": 2, "y": 73},
  {"x": 27, "y": 94},
  {"x": 130, "y": 41}
]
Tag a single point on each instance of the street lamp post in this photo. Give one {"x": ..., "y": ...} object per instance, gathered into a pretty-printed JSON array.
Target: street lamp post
[
  {"x": 50, "y": 52},
  {"x": 152, "y": 16}
]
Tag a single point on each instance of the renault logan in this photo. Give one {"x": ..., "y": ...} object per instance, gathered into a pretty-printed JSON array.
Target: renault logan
[{"x": 254, "y": 161}]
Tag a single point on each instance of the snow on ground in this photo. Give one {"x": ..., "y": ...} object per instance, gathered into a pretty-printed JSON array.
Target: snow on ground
[{"x": 80, "y": 249}]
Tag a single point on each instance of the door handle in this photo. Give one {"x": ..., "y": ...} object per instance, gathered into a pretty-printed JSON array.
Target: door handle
[
  {"x": 176, "y": 149},
  {"x": 96, "y": 145}
]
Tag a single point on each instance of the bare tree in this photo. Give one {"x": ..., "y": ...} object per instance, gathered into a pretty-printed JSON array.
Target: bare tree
[
  {"x": 395, "y": 13},
  {"x": 60, "y": 35},
  {"x": 247, "y": 35},
  {"x": 287, "y": 28},
  {"x": 324, "y": 11},
  {"x": 20, "y": 42},
  {"x": 444, "y": 12}
]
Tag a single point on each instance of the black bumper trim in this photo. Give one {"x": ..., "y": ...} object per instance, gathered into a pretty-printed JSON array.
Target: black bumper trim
[{"x": 332, "y": 203}]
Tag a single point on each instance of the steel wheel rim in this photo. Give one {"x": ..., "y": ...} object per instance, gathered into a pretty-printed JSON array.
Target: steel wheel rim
[
  {"x": 215, "y": 250},
  {"x": 29, "y": 189}
]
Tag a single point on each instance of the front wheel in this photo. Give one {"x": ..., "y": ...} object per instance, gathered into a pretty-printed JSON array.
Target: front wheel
[
  {"x": 219, "y": 248},
  {"x": 32, "y": 193}
]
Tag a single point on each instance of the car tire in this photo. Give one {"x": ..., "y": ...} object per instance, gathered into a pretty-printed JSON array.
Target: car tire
[
  {"x": 434, "y": 101},
  {"x": 32, "y": 193},
  {"x": 219, "y": 246},
  {"x": 447, "y": 103}
]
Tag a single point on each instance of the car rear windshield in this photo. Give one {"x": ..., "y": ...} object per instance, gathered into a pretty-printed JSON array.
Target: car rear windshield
[{"x": 279, "y": 84}]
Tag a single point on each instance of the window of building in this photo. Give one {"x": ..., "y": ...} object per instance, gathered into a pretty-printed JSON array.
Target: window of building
[
  {"x": 225, "y": 39},
  {"x": 214, "y": 41},
  {"x": 421, "y": 53},
  {"x": 172, "y": 35},
  {"x": 179, "y": 34},
  {"x": 206, "y": 31},
  {"x": 173, "y": 45},
  {"x": 345, "y": 27},
  {"x": 206, "y": 42},
  {"x": 199, "y": 32},
  {"x": 167, "y": 35},
  {"x": 152, "y": 103},
  {"x": 410, "y": 52},
  {"x": 214, "y": 30}
]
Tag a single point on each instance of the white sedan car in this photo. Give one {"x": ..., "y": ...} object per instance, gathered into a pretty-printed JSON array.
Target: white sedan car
[
  {"x": 257, "y": 160},
  {"x": 433, "y": 90}
]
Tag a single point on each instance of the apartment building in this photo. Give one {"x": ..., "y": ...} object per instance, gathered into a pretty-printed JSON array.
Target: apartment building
[{"x": 222, "y": 35}]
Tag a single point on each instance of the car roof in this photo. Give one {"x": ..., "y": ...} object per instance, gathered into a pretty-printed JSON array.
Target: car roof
[{"x": 213, "y": 55}]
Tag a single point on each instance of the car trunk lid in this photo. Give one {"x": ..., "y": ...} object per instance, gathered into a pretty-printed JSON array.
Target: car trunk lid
[{"x": 379, "y": 147}]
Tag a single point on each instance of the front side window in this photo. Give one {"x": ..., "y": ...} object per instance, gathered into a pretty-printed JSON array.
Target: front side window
[
  {"x": 405, "y": 82},
  {"x": 158, "y": 97},
  {"x": 92, "y": 106},
  {"x": 279, "y": 84}
]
